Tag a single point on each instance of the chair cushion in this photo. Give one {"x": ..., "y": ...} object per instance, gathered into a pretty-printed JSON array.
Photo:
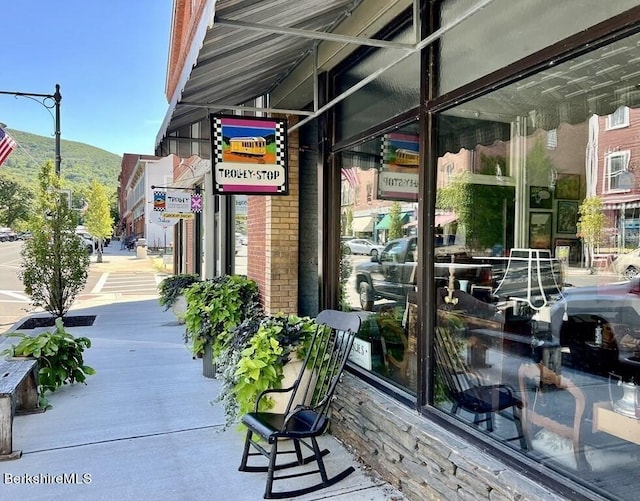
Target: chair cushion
[{"x": 488, "y": 398}]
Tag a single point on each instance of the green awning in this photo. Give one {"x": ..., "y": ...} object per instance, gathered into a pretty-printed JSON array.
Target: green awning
[{"x": 385, "y": 222}]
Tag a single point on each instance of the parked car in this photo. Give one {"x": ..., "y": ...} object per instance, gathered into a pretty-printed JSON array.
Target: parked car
[
  {"x": 362, "y": 246},
  {"x": 628, "y": 265},
  {"x": 392, "y": 274},
  {"x": 7, "y": 235},
  {"x": 612, "y": 308}
]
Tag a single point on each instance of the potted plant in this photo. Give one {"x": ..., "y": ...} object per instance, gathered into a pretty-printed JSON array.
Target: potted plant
[
  {"x": 59, "y": 355},
  {"x": 266, "y": 352},
  {"x": 171, "y": 293},
  {"x": 214, "y": 308}
]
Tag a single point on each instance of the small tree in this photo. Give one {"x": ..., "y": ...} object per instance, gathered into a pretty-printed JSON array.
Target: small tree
[
  {"x": 590, "y": 225},
  {"x": 54, "y": 260},
  {"x": 98, "y": 218},
  {"x": 395, "y": 221}
]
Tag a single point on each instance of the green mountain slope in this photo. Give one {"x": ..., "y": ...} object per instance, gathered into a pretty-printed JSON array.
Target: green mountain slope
[{"x": 81, "y": 164}]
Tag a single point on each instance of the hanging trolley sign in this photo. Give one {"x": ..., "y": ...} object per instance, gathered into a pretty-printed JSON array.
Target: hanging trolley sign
[
  {"x": 249, "y": 155},
  {"x": 398, "y": 178}
]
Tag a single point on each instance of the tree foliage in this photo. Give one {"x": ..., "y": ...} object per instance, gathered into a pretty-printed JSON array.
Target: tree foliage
[
  {"x": 590, "y": 225},
  {"x": 395, "y": 221},
  {"x": 97, "y": 217},
  {"x": 54, "y": 260},
  {"x": 15, "y": 203}
]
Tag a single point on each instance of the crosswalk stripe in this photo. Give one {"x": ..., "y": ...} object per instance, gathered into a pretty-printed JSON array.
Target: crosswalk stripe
[{"x": 16, "y": 295}]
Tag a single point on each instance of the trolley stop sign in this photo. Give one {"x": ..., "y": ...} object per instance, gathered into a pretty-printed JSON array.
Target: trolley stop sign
[{"x": 249, "y": 155}]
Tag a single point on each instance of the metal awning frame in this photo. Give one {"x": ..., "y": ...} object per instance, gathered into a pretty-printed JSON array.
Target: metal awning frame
[{"x": 409, "y": 49}]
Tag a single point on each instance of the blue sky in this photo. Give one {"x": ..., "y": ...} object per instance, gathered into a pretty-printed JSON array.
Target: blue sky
[{"x": 110, "y": 59}]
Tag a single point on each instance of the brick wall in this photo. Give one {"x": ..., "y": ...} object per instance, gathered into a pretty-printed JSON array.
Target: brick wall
[
  {"x": 273, "y": 236},
  {"x": 424, "y": 460}
]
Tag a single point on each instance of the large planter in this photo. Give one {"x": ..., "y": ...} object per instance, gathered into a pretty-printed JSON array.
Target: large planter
[
  {"x": 290, "y": 372},
  {"x": 208, "y": 367},
  {"x": 179, "y": 308}
]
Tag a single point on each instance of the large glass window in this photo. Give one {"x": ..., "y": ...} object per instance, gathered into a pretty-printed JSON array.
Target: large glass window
[
  {"x": 379, "y": 261},
  {"x": 537, "y": 332}
]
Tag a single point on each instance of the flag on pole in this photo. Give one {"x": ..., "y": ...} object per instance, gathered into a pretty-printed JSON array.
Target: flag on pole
[
  {"x": 7, "y": 145},
  {"x": 351, "y": 176}
]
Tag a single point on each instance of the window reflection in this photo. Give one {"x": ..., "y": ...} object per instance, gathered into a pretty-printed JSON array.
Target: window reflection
[
  {"x": 537, "y": 337},
  {"x": 379, "y": 261}
]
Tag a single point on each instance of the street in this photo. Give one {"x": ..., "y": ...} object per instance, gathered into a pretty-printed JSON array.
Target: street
[{"x": 115, "y": 278}]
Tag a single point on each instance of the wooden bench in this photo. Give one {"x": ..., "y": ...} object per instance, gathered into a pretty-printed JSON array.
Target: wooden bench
[{"x": 18, "y": 395}]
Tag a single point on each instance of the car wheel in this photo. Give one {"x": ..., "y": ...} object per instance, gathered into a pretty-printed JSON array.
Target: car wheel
[
  {"x": 630, "y": 272},
  {"x": 374, "y": 252},
  {"x": 347, "y": 249},
  {"x": 365, "y": 292}
]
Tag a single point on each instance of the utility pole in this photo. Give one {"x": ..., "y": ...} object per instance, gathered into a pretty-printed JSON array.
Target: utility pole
[{"x": 56, "y": 97}]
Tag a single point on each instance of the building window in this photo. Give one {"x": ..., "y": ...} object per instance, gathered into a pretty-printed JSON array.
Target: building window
[
  {"x": 519, "y": 355},
  {"x": 618, "y": 119},
  {"x": 617, "y": 164}
]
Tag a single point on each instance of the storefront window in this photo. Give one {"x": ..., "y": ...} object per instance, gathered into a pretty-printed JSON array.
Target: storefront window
[
  {"x": 379, "y": 263},
  {"x": 537, "y": 332}
]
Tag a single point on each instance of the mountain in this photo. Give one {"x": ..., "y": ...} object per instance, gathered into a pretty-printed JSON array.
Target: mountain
[{"x": 81, "y": 163}]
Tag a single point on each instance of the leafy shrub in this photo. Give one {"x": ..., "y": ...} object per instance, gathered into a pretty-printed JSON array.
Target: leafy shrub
[
  {"x": 215, "y": 307},
  {"x": 59, "y": 355},
  {"x": 254, "y": 359},
  {"x": 174, "y": 286}
]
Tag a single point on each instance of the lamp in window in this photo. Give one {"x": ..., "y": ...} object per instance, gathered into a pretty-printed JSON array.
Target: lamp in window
[{"x": 626, "y": 180}]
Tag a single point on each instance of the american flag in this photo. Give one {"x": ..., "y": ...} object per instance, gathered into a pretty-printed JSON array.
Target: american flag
[
  {"x": 351, "y": 176},
  {"x": 7, "y": 145}
]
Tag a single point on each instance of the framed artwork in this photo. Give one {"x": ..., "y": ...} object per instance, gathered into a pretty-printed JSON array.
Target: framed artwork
[
  {"x": 567, "y": 249},
  {"x": 567, "y": 217},
  {"x": 540, "y": 230},
  {"x": 568, "y": 186},
  {"x": 540, "y": 197}
]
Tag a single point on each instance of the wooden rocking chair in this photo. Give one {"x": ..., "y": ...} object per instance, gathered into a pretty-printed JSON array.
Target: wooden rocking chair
[
  {"x": 301, "y": 423},
  {"x": 469, "y": 392}
]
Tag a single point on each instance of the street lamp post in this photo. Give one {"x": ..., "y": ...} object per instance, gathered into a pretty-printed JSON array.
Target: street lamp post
[{"x": 42, "y": 99}]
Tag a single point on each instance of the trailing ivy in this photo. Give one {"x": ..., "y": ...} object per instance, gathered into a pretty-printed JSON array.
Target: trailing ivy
[{"x": 254, "y": 359}]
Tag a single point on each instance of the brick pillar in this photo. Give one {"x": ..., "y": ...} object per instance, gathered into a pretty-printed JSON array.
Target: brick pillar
[{"x": 273, "y": 241}]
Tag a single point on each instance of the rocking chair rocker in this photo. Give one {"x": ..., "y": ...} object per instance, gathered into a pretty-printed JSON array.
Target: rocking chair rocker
[{"x": 306, "y": 414}]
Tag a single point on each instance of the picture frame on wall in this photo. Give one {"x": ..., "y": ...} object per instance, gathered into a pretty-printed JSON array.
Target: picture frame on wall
[
  {"x": 540, "y": 197},
  {"x": 568, "y": 187},
  {"x": 574, "y": 248},
  {"x": 567, "y": 217},
  {"x": 540, "y": 230}
]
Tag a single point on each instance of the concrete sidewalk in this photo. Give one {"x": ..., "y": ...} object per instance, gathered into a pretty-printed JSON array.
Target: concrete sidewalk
[{"x": 144, "y": 426}]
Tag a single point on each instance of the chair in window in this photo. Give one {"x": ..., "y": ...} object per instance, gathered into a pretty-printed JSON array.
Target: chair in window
[
  {"x": 306, "y": 415},
  {"x": 552, "y": 415},
  {"x": 466, "y": 388}
]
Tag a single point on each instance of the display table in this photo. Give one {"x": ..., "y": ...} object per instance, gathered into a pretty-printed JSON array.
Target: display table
[{"x": 616, "y": 424}]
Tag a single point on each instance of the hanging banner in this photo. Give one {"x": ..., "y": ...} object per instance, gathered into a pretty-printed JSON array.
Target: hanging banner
[
  {"x": 249, "y": 155},
  {"x": 158, "y": 218},
  {"x": 178, "y": 201},
  {"x": 398, "y": 178}
]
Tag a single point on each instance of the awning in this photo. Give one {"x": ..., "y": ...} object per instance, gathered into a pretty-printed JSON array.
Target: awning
[
  {"x": 630, "y": 201},
  {"x": 443, "y": 219},
  {"x": 385, "y": 222},
  {"x": 243, "y": 49},
  {"x": 362, "y": 224}
]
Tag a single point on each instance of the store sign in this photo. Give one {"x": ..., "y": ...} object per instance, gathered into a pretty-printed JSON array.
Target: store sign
[
  {"x": 158, "y": 218},
  {"x": 361, "y": 353},
  {"x": 398, "y": 178},
  {"x": 249, "y": 155}
]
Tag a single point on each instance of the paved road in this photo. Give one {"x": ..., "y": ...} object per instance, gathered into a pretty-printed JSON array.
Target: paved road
[{"x": 120, "y": 276}]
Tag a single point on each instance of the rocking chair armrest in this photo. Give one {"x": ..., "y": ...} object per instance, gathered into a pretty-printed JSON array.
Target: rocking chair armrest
[{"x": 272, "y": 390}]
